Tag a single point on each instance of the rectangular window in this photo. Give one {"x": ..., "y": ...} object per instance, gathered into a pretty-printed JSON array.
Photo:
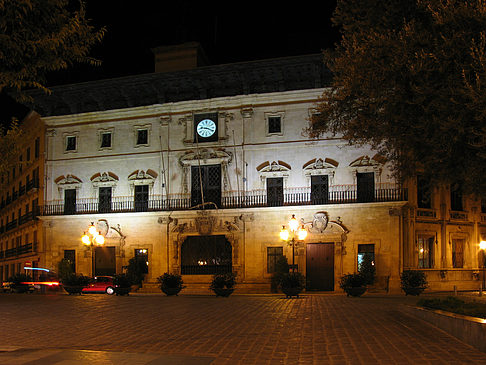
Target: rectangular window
[
  {"x": 70, "y": 255},
  {"x": 104, "y": 202},
  {"x": 273, "y": 254},
  {"x": 207, "y": 177},
  {"x": 141, "y": 256},
  {"x": 37, "y": 147},
  {"x": 275, "y": 195},
  {"x": 456, "y": 198},
  {"x": 458, "y": 253},
  {"x": 366, "y": 250},
  {"x": 319, "y": 189},
  {"x": 365, "y": 188},
  {"x": 106, "y": 140},
  {"x": 27, "y": 154},
  {"x": 274, "y": 124},
  {"x": 141, "y": 198},
  {"x": 20, "y": 164},
  {"x": 70, "y": 201},
  {"x": 425, "y": 247},
  {"x": 142, "y": 136},
  {"x": 71, "y": 143}
]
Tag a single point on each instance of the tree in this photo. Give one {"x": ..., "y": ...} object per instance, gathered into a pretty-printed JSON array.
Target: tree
[
  {"x": 41, "y": 36},
  {"x": 409, "y": 80}
]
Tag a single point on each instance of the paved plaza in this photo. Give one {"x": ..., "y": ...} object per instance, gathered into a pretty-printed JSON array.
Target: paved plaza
[{"x": 242, "y": 329}]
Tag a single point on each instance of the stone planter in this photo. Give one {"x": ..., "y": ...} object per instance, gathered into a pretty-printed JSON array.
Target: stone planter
[
  {"x": 73, "y": 289},
  {"x": 20, "y": 288},
  {"x": 122, "y": 290},
  {"x": 355, "y": 291},
  {"x": 291, "y": 292},
  {"x": 171, "y": 291},
  {"x": 413, "y": 290},
  {"x": 223, "y": 292}
]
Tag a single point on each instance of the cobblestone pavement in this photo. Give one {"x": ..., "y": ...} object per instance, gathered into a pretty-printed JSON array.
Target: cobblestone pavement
[{"x": 241, "y": 329}]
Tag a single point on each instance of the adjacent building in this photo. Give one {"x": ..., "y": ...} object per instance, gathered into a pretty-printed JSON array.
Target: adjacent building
[{"x": 21, "y": 193}]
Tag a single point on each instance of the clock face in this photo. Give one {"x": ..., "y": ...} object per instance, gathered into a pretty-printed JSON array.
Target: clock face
[{"x": 206, "y": 128}]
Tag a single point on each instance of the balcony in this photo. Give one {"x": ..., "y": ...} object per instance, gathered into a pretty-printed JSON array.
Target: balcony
[
  {"x": 16, "y": 251},
  {"x": 342, "y": 194}
]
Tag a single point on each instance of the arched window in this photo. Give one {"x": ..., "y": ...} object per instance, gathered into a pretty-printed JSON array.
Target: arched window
[{"x": 206, "y": 255}]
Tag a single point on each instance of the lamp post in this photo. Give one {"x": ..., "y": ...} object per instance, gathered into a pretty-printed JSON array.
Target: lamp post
[
  {"x": 482, "y": 247},
  {"x": 290, "y": 235},
  {"x": 90, "y": 238}
]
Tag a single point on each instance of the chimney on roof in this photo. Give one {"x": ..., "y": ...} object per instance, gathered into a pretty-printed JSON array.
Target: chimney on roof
[{"x": 180, "y": 57}]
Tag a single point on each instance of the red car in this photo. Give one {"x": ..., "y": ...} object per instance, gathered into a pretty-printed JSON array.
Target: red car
[{"x": 101, "y": 284}]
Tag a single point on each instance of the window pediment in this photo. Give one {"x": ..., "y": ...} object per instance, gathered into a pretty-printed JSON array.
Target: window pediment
[
  {"x": 206, "y": 156},
  {"x": 141, "y": 177},
  {"x": 104, "y": 179}
]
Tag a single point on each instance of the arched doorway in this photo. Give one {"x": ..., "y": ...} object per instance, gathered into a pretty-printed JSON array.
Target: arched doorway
[{"x": 206, "y": 255}]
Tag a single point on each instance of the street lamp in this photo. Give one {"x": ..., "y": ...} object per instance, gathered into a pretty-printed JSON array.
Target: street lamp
[
  {"x": 90, "y": 238},
  {"x": 482, "y": 247},
  {"x": 290, "y": 236}
]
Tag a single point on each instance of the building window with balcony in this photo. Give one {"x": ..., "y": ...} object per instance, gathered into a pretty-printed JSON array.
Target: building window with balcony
[
  {"x": 456, "y": 198},
  {"x": 104, "y": 199},
  {"x": 37, "y": 147},
  {"x": 319, "y": 189},
  {"x": 425, "y": 246},
  {"x": 365, "y": 187},
  {"x": 69, "y": 201},
  {"x": 141, "y": 198},
  {"x": 273, "y": 256},
  {"x": 424, "y": 193},
  {"x": 206, "y": 184},
  {"x": 457, "y": 252},
  {"x": 275, "y": 194}
]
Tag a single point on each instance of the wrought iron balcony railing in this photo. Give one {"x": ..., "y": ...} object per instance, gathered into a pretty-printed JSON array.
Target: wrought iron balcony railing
[{"x": 344, "y": 194}]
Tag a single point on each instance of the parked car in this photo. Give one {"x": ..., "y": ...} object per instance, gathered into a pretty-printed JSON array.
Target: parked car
[
  {"x": 6, "y": 287},
  {"x": 101, "y": 284}
]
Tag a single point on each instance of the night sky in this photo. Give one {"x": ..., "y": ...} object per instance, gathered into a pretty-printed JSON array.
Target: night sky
[{"x": 228, "y": 31}]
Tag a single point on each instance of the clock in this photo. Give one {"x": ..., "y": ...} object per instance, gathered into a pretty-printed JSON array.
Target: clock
[{"x": 206, "y": 128}]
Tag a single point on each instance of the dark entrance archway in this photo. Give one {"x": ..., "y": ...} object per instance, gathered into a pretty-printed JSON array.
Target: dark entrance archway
[
  {"x": 206, "y": 255},
  {"x": 320, "y": 266}
]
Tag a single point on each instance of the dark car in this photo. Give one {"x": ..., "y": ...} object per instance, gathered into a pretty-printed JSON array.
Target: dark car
[{"x": 101, "y": 285}]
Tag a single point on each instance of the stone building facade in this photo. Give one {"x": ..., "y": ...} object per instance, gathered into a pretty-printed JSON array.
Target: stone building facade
[
  {"x": 21, "y": 194},
  {"x": 195, "y": 172}
]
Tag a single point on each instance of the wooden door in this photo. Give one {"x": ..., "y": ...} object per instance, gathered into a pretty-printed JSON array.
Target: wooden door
[{"x": 320, "y": 266}]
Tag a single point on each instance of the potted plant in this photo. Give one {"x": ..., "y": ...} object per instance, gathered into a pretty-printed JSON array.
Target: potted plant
[
  {"x": 413, "y": 282},
  {"x": 292, "y": 283},
  {"x": 223, "y": 284},
  {"x": 136, "y": 272},
  {"x": 170, "y": 284},
  {"x": 353, "y": 284},
  {"x": 122, "y": 284},
  {"x": 281, "y": 268},
  {"x": 18, "y": 283},
  {"x": 367, "y": 269},
  {"x": 74, "y": 284}
]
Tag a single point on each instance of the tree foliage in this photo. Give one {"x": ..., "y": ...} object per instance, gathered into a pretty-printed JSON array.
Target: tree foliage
[
  {"x": 409, "y": 79},
  {"x": 40, "y": 36}
]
